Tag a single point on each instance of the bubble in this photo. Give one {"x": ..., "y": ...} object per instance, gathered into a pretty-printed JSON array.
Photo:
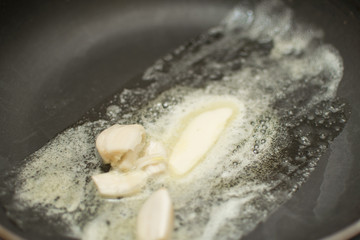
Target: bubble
[
  {"x": 342, "y": 120},
  {"x": 305, "y": 141},
  {"x": 165, "y": 104},
  {"x": 322, "y": 136}
]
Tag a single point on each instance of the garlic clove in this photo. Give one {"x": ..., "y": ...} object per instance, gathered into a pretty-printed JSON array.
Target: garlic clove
[
  {"x": 121, "y": 143},
  {"x": 155, "y": 148},
  {"x": 128, "y": 161},
  {"x": 197, "y": 138},
  {"x": 156, "y": 217},
  {"x": 154, "y": 169},
  {"x": 153, "y": 161},
  {"x": 114, "y": 184},
  {"x": 154, "y": 153},
  {"x": 146, "y": 161}
]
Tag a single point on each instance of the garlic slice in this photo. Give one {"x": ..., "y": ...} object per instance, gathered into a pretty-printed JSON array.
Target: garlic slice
[
  {"x": 197, "y": 138},
  {"x": 120, "y": 145},
  {"x": 114, "y": 184},
  {"x": 156, "y": 217}
]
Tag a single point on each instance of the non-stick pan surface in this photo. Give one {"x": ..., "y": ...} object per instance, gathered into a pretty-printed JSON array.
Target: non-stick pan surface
[{"x": 58, "y": 59}]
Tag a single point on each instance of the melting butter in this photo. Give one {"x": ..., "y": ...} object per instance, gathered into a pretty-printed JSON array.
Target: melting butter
[{"x": 197, "y": 138}]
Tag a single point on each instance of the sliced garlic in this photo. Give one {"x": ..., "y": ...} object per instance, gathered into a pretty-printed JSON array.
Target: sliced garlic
[
  {"x": 114, "y": 184},
  {"x": 197, "y": 138},
  {"x": 120, "y": 145},
  {"x": 156, "y": 217}
]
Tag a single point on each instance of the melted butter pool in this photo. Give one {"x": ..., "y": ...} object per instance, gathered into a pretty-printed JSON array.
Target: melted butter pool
[{"x": 277, "y": 72}]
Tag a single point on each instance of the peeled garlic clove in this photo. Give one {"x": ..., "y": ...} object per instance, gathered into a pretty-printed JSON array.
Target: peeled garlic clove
[
  {"x": 144, "y": 162},
  {"x": 114, "y": 184},
  {"x": 120, "y": 143},
  {"x": 198, "y": 137},
  {"x": 155, "y": 169},
  {"x": 151, "y": 165},
  {"x": 153, "y": 161},
  {"x": 156, "y": 217},
  {"x": 154, "y": 153},
  {"x": 128, "y": 161}
]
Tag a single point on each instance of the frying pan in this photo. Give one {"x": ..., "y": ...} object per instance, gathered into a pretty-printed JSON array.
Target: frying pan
[{"x": 59, "y": 59}]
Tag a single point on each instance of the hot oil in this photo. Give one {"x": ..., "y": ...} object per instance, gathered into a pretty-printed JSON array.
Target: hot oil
[{"x": 278, "y": 74}]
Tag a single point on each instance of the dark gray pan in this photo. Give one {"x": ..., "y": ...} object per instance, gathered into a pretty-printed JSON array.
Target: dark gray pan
[{"x": 58, "y": 59}]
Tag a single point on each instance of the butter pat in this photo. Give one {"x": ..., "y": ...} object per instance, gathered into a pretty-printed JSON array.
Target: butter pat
[{"x": 200, "y": 134}]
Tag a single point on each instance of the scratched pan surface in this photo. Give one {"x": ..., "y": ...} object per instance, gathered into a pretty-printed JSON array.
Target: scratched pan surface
[{"x": 58, "y": 59}]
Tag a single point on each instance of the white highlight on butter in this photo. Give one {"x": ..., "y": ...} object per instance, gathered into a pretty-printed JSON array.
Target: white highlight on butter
[
  {"x": 156, "y": 217},
  {"x": 197, "y": 138}
]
